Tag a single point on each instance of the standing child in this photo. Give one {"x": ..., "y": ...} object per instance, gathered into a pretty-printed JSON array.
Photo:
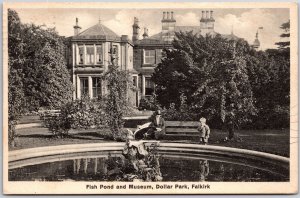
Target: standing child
[{"x": 204, "y": 130}]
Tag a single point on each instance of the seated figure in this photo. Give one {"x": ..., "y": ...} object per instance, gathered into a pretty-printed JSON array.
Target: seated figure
[{"x": 157, "y": 127}]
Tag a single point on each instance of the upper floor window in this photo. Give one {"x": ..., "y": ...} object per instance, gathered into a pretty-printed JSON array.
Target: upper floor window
[
  {"x": 149, "y": 57},
  {"x": 81, "y": 52},
  {"x": 158, "y": 56},
  {"x": 99, "y": 54},
  {"x": 90, "y": 55},
  {"x": 114, "y": 51}
]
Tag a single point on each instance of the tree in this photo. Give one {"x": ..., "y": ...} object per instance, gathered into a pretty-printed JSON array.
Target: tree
[
  {"x": 117, "y": 82},
  {"x": 269, "y": 75},
  {"x": 286, "y": 34},
  {"x": 16, "y": 103},
  {"x": 46, "y": 78},
  {"x": 51, "y": 86},
  {"x": 37, "y": 71},
  {"x": 211, "y": 72}
]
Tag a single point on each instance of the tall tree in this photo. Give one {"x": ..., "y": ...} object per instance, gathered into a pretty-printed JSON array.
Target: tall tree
[
  {"x": 47, "y": 80},
  {"x": 116, "y": 99},
  {"x": 215, "y": 82},
  {"x": 269, "y": 76},
  {"x": 37, "y": 70},
  {"x": 16, "y": 102}
]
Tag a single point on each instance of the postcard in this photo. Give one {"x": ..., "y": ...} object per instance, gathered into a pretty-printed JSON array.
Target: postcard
[{"x": 150, "y": 98}]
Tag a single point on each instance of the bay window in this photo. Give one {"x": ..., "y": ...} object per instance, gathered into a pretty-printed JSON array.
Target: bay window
[
  {"x": 90, "y": 55},
  {"x": 99, "y": 54},
  {"x": 81, "y": 52}
]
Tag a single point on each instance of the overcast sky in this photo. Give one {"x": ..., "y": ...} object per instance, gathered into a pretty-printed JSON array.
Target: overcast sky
[{"x": 245, "y": 22}]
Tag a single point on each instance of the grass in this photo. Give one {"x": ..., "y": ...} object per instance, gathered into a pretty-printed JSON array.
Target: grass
[
  {"x": 39, "y": 137},
  {"x": 270, "y": 141}
]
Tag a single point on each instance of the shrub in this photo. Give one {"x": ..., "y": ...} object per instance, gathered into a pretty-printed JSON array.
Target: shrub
[
  {"x": 183, "y": 113},
  {"x": 145, "y": 104},
  {"x": 149, "y": 104},
  {"x": 83, "y": 113},
  {"x": 58, "y": 125}
]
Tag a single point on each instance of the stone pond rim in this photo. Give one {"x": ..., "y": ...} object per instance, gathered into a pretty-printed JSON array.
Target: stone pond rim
[{"x": 256, "y": 159}]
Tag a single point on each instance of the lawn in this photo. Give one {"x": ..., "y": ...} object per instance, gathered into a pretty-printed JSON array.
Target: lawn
[
  {"x": 38, "y": 137},
  {"x": 270, "y": 141}
]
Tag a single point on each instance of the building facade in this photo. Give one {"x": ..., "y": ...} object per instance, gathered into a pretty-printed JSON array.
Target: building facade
[
  {"x": 147, "y": 50},
  {"x": 90, "y": 52},
  {"x": 89, "y": 55}
]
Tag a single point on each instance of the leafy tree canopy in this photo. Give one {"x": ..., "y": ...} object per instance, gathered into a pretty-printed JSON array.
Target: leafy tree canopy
[
  {"x": 37, "y": 75},
  {"x": 227, "y": 81},
  {"x": 211, "y": 72},
  {"x": 37, "y": 54}
]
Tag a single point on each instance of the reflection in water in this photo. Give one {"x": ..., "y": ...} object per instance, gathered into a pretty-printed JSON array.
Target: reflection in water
[
  {"x": 89, "y": 167},
  {"x": 204, "y": 169}
]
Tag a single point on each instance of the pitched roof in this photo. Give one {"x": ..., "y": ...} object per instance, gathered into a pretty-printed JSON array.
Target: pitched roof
[
  {"x": 156, "y": 36},
  {"x": 98, "y": 31},
  {"x": 230, "y": 37},
  {"x": 194, "y": 29}
]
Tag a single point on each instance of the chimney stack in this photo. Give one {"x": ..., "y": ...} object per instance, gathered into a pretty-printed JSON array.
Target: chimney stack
[
  {"x": 135, "y": 29},
  {"x": 211, "y": 14},
  {"x": 145, "y": 35},
  {"x": 76, "y": 28},
  {"x": 172, "y": 17}
]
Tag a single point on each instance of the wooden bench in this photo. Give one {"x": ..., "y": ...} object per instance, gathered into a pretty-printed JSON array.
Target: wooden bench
[
  {"x": 47, "y": 114},
  {"x": 181, "y": 128}
]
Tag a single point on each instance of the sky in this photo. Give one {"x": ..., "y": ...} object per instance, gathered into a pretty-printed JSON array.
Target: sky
[{"x": 243, "y": 22}]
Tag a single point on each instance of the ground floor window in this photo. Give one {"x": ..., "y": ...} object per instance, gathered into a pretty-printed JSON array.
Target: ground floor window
[
  {"x": 96, "y": 87},
  {"x": 84, "y": 86},
  {"x": 149, "y": 86}
]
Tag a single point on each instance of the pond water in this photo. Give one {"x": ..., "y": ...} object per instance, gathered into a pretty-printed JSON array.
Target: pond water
[{"x": 171, "y": 168}]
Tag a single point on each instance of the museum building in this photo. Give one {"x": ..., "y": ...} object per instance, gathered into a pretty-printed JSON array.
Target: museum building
[{"x": 90, "y": 50}]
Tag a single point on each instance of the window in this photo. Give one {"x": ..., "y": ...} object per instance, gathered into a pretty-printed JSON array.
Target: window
[
  {"x": 90, "y": 54},
  {"x": 115, "y": 50},
  {"x": 114, "y": 53},
  {"x": 99, "y": 54},
  {"x": 134, "y": 81},
  {"x": 158, "y": 56},
  {"x": 84, "y": 86},
  {"x": 96, "y": 87},
  {"x": 81, "y": 51},
  {"x": 149, "y": 57},
  {"x": 149, "y": 86}
]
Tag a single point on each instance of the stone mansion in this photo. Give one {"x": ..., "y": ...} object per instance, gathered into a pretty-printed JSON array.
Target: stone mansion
[{"x": 88, "y": 53}]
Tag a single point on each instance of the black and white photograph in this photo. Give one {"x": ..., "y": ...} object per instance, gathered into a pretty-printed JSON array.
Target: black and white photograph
[{"x": 150, "y": 98}]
